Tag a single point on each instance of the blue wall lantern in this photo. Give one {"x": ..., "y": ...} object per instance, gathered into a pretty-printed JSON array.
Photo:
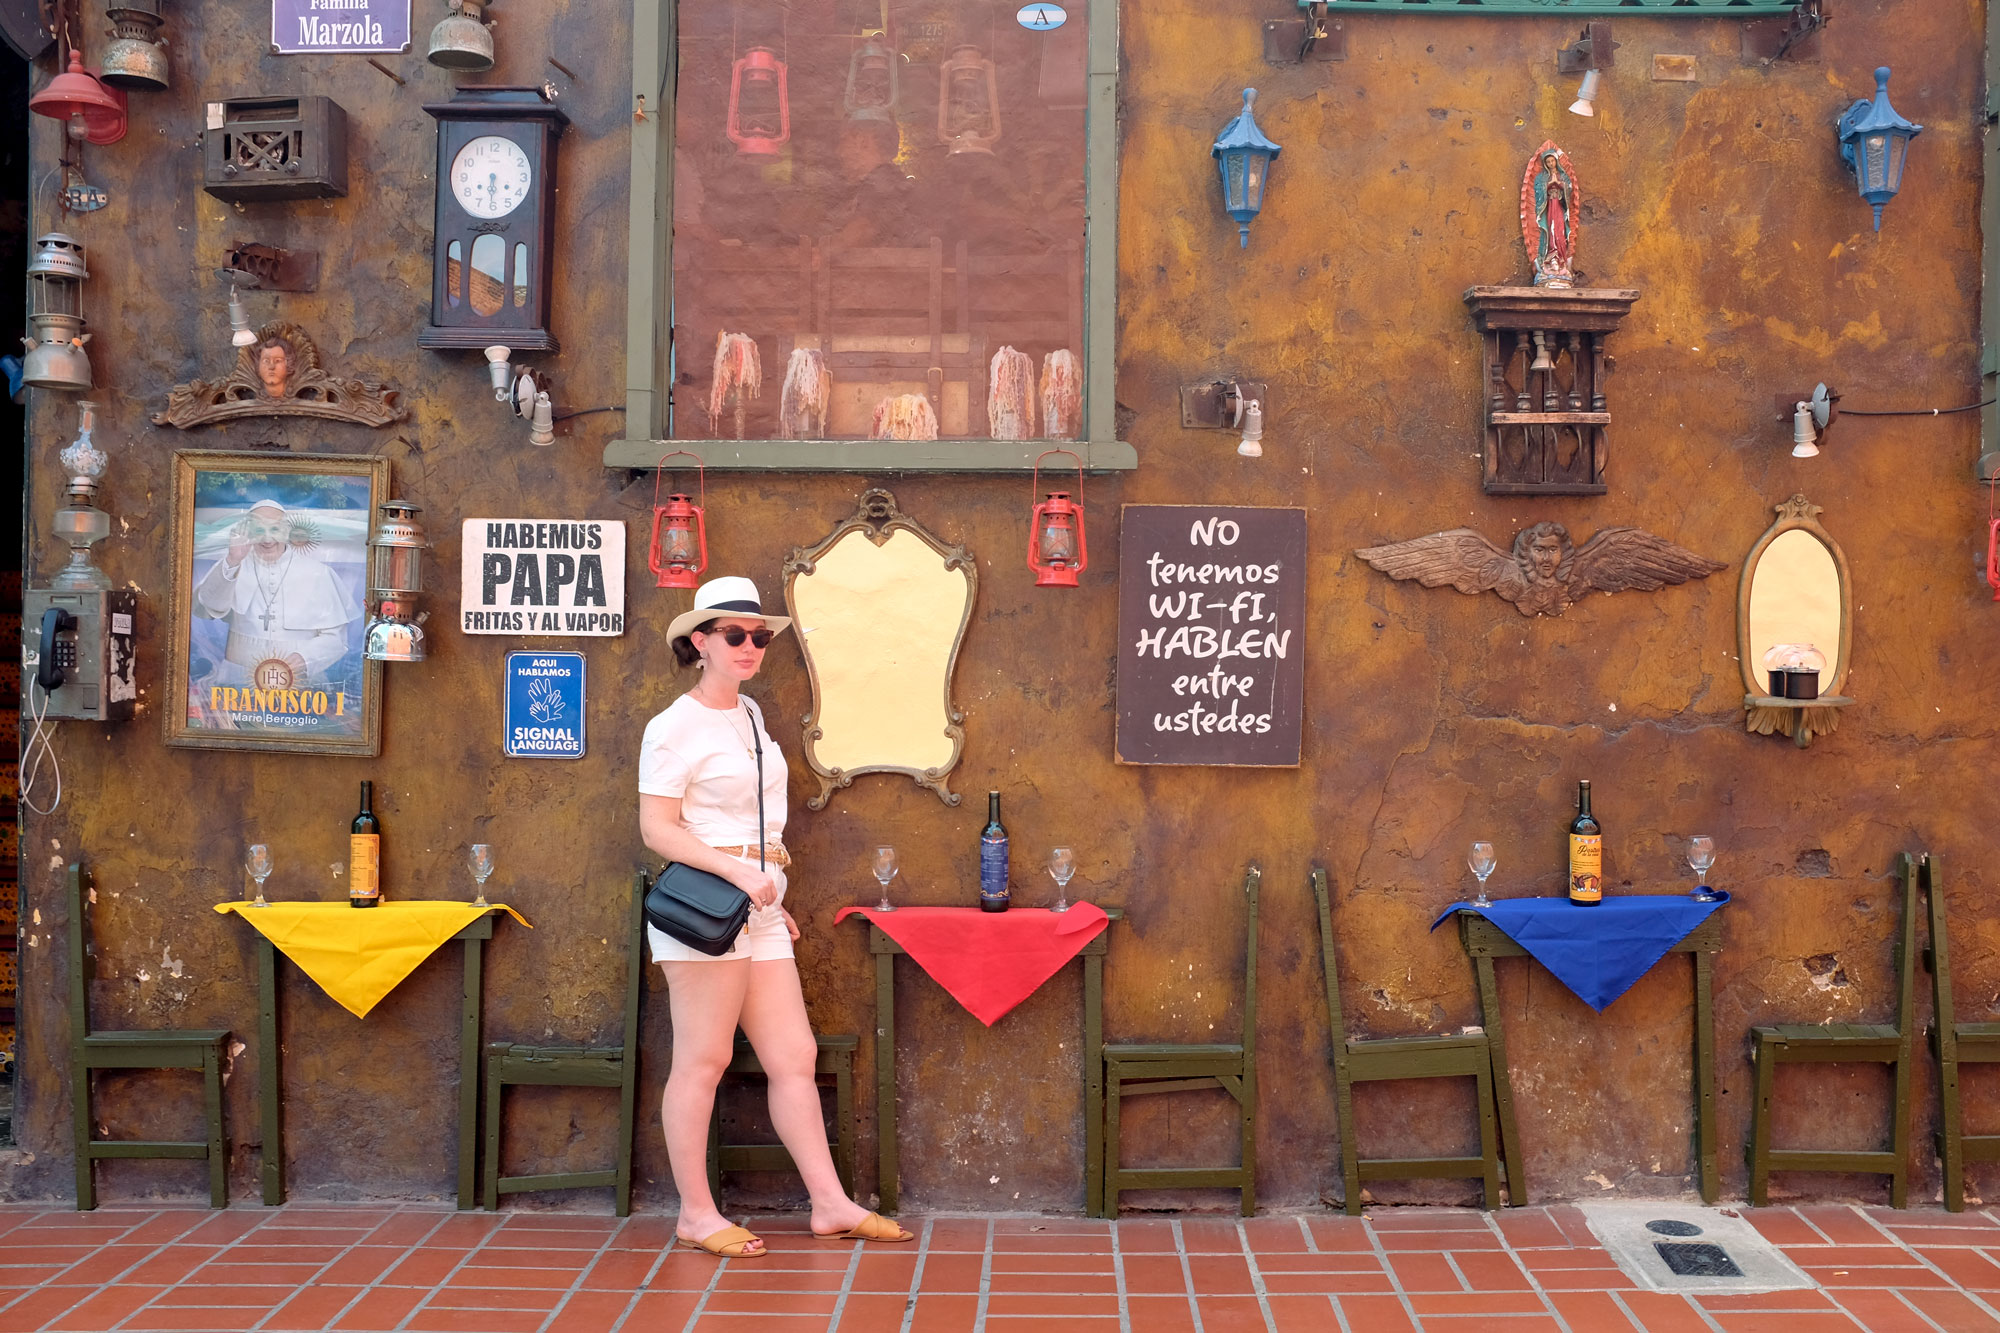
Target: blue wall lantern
[
  {"x": 1874, "y": 141},
  {"x": 1244, "y": 155}
]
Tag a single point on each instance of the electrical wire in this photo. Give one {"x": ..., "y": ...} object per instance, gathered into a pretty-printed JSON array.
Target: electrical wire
[
  {"x": 584, "y": 412},
  {"x": 1919, "y": 412},
  {"x": 40, "y": 745}
]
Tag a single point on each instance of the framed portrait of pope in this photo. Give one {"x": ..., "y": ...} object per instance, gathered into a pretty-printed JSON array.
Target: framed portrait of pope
[{"x": 270, "y": 603}]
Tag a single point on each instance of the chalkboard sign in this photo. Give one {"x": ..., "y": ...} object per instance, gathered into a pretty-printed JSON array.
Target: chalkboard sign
[{"x": 1211, "y": 634}]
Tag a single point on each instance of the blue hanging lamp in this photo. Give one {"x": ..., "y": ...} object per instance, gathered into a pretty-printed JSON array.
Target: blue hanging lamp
[
  {"x": 1874, "y": 141},
  {"x": 1244, "y": 156}
]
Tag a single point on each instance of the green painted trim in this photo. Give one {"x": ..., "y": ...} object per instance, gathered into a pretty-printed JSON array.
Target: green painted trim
[
  {"x": 1989, "y": 287},
  {"x": 871, "y": 455},
  {"x": 1627, "y": 8},
  {"x": 649, "y": 289}
]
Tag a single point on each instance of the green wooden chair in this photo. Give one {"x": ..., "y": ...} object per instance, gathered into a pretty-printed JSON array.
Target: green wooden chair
[
  {"x": 575, "y": 1067},
  {"x": 1955, "y": 1044},
  {"x": 1382, "y": 1060},
  {"x": 1137, "y": 1071},
  {"x": 154, "y": 1048},
  {"x": 835, "y": 1063},
  {"x": 1843, "y": 1043}
]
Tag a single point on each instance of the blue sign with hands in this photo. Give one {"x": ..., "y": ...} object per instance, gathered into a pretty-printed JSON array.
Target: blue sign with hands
[{"x": 544, "y": 711}]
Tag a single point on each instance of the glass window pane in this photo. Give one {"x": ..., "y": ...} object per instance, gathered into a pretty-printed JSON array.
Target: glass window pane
[
  {"x": 454, "y": 273},
  {"x": 489, "y": 259},
  {"x": 520, "y": 275},
  {"x": 878, "y": 219}
]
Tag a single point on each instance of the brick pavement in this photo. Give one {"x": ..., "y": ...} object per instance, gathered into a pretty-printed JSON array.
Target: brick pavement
[{"x": 369, "y": 1269}]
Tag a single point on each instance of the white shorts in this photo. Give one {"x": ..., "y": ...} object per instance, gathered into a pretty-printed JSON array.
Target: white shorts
[{"x": 762, "y": 940}]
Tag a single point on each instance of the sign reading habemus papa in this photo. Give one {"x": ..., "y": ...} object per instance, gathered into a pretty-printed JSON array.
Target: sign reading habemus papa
[{"x": 542, "y": 576}]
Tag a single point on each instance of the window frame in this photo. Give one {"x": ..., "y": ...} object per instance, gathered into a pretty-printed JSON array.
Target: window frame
[
  {"x": 1544, "y": 8},
  {"x": 649, "y": 298}
]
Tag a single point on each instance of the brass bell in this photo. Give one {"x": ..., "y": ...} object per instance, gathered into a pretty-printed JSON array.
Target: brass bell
[
  {"x": 136, "y": 56},
  {"x": 462, "y": 39}
]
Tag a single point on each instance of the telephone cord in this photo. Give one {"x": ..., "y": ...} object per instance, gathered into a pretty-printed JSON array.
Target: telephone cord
[{"x": 40, "y": 745}]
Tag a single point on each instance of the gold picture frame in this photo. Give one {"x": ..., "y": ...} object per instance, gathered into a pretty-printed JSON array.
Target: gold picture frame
[
  {"x": 274, "y": 662},
  {"x": 881, "y": 607},
  {"x": 1803, "y": 594}
]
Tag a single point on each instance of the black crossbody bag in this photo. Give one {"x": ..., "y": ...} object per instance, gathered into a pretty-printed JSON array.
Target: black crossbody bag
[{"x": 704, "y": 911}]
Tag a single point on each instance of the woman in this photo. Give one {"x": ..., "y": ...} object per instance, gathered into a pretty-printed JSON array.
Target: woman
[{"x": 698, "y": 805}]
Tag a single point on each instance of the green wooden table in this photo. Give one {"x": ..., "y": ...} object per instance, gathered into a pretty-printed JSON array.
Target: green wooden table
[
  {"x": 1483, "y": 942},
  {"x": 270, "y": 1074},
  {"x": 888, "y": 1183}
]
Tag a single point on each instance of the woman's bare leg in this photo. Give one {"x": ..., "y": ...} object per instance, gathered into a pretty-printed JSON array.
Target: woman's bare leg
[{"x": 707, "y": 1002}]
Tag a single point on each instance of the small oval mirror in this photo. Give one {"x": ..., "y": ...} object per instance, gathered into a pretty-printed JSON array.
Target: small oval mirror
[{"x": 1795, "y": 598}]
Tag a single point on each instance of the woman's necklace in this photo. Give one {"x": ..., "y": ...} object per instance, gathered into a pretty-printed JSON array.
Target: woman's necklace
[{"x": 750, "y": 738}]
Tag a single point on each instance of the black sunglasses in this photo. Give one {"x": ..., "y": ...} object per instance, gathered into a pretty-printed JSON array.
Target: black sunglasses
[{"x": 736, "y": 634}]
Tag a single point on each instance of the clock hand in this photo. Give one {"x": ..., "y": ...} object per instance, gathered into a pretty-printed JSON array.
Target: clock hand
[{"x": 493, "y": 188}]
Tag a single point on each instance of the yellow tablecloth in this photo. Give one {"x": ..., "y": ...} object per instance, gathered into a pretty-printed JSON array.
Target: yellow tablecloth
[{"x": 357, "y": 957}]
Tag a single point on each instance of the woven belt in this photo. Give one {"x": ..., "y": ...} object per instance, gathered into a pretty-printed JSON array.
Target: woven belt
[{"x": 774, "y": 853}]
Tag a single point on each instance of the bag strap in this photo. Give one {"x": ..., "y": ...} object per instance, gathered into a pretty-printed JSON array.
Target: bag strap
[{"x": 755, "y": 720}]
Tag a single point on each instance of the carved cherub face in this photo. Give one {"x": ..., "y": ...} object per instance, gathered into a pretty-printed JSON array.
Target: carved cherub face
[
  {"x": 1541, "y": 550},
  {"x": 274, "y": 368}
]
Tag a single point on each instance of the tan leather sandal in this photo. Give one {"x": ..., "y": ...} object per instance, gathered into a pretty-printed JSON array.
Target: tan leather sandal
[
  {"x": 872, "y": 1227},
  {"x": 728, "y": 1243}
]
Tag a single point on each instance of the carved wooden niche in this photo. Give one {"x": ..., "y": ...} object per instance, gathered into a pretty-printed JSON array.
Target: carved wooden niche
[
  {"x": 880, "y": 608},
  {"x": 1795, "y": 589},
  {"x": 1547, "y": 414},
  {"x": 279, "y": 375}
]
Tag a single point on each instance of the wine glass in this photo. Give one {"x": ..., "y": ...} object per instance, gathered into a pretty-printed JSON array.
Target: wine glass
[
  {"x": 482, "y": 865},
  {"x": 1062, "y": 865},
  {"x": 885, "y": 870},
  {"x": 1481, "y": 861},
  {"x": 1701, "y": 855},
  {"x": 258, "y": 863}
]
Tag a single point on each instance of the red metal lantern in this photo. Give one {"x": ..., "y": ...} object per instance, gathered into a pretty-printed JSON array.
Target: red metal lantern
[
  {"x": 760, "y": 104},
  {"x": 679, "y": 549},
  {"x": 94, "y": 111},
  {"x": 1058, "y": 550}
]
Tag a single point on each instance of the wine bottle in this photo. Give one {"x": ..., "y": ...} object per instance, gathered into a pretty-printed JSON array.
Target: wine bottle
[
  {"x": 364, "y": 854},
  {"x": 1586, "y": 852},
  {"x": 993, "y": 889}
]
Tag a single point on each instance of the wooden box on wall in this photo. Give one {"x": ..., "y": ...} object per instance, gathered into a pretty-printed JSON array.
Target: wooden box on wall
[
  {"x": 1546, "y": 411},
  {"x": 275, "y": 148}
]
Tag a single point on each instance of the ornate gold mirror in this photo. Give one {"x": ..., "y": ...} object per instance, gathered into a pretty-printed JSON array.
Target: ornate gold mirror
[
  {"x": 881, "y": 608},
  {"x": 1796, "y": 593}
]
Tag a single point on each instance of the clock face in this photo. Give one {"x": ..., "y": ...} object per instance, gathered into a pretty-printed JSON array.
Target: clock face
[{"x": 490, "y": 177}]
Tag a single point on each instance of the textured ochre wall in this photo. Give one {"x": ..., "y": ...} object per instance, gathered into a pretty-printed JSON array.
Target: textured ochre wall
[{"x": 1433, "y": 718}]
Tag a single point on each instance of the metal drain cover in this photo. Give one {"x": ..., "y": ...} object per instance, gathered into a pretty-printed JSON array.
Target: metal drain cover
[
  {"x": 1730, "y": 1256},
  {"x": 1699, "y": 1260}
]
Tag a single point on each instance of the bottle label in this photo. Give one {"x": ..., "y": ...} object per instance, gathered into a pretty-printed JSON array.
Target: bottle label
[
  {"x": 1586, "y": 867},
  {"x": 993, "y": 870},
  {"x": 364, "y": 866}
]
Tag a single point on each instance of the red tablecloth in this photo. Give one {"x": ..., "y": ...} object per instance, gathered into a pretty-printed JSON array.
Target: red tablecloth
[{"x": 988, "y": 961}]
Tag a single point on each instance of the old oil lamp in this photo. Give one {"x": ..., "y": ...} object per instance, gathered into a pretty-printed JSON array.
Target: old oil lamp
[
  {"x": 80, "y": 522},
  {"x": 1874, "y": 141},
  {"x": 94, "y": 112},
  {"x": 760, "y": 103},
  {"x": 462, "y": 39},
  {"x": 1244, "y": 156},
  {"x": 679, "y": 549},
  {"x": 56, "y": 359},
  {"x": 968, "y": 102},
  {"x": 395, "y": 579},
  {"x": 136, "y": 56},
  {"x": 873, "y": 85},
  {"x": 1058, "y": 550}
]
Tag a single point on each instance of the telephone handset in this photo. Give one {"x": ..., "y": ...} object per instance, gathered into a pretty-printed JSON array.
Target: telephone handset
[{"x": 58, "y": 655}]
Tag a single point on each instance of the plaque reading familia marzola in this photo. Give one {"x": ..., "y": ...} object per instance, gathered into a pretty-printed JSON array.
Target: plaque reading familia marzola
[
  {"x": 309, "y": 27},
  {"x": 542, "y": 576},
  {"x": 1211, "y": 642}
]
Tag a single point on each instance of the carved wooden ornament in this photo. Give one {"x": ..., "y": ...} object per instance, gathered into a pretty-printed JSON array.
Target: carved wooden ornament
[
  {"x": 279, "y": 375},
  {"x": 1545, "y": 573},
  {"x": 881, "y": 608}
]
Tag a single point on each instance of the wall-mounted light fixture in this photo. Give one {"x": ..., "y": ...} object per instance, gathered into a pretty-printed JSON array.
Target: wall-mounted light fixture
[
  {"x": 240, "y": 332},
  {"x": 1874, "y": 141},
  {"x": 395, "y": 579},
  {"x": 56, "y": 359},
  {"x": 1058, "y": 549},
  {"x": 1244, "y": 156},
  {"x": 94, "y": 111},
  {"x": 1588, "y": 55},
  {"x": 1586, "y": 95},
  {"x": 524, "y": 394},
  {"x": 463, "y": 38},
  {"x": 137, "y": 54},
  {"x": 678, "y": 551},
  {"x": 1810, "y": 419}
]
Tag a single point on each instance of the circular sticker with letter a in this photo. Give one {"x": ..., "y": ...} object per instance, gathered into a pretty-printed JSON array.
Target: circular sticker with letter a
[{"x": 1041, "y": 17}]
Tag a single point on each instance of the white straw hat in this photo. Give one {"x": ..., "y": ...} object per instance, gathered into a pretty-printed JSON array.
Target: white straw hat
[{"x": 731, "y": 595}]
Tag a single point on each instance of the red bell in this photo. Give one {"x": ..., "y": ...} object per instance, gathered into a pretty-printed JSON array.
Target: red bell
[
  {"x": 760, "y": 104},
  {"x": 1057, "y": 547},
  {"x": 94, "y": 111},
  {"x": 679, "y": 549}
]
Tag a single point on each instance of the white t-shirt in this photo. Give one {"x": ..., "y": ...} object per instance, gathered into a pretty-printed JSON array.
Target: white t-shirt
[{"x": 703, "y": 756}]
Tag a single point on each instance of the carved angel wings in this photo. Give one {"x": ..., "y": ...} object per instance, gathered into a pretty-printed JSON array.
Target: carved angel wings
[{"x": 1613, "y": 560}]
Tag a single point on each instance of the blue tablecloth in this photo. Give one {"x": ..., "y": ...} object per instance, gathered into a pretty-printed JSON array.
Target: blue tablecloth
[{"x": 1598, "y": 952}]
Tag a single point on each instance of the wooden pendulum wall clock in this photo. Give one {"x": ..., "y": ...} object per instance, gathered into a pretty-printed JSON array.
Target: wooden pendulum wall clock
[{"x": 493, "y": 254}]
